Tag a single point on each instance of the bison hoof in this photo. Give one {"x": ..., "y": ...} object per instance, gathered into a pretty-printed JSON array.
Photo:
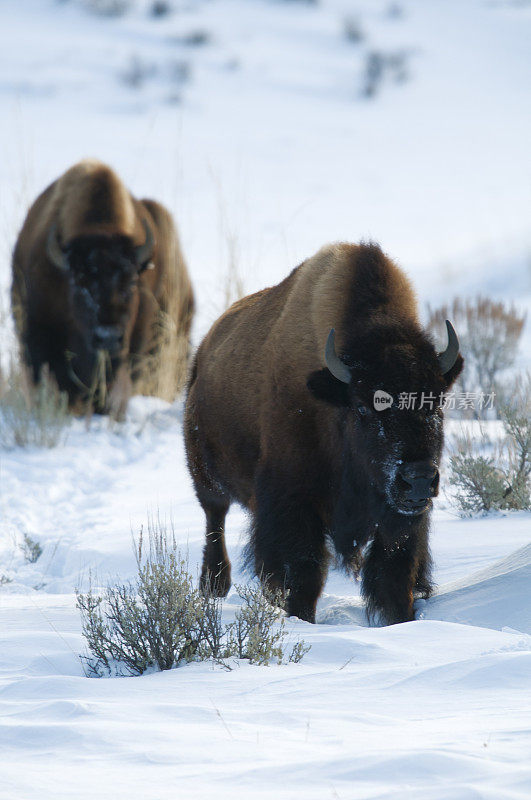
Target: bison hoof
[
  {"x": 305, "y": 611},
  {"x": 216, "y": 583}
]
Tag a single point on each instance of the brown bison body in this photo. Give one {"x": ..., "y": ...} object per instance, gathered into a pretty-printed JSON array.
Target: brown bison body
[
  {"x": 93, "y": 268},
  {"x": 300, "y": 444}
]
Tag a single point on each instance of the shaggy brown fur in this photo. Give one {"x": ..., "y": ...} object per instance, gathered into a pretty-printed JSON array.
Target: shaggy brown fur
[
  {"x": 267, "y": 427},
  {"x": 98, "y": 224}
]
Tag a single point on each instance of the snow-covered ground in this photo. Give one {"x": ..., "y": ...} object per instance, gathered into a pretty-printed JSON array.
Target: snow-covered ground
[
  {"x": 438, "y": 708},
  {"x": 261, "y": 144}
]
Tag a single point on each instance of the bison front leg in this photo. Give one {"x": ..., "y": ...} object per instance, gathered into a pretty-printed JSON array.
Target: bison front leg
[
  {"x": 288, "y": 544},
  {"x": 394, "y": 569},
  {"x": 45, "y": 345},
  {"x": 215, "y": 571}
]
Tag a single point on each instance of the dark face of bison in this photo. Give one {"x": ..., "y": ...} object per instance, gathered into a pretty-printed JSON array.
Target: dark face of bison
[
  {"x": 102, "y": 272},
  {"x": 391, "y": 385}
]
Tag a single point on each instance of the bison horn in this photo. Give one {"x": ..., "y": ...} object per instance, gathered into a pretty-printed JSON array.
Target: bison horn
[
  {"x": 448, "y": 358},
  {"x": 338, "y": 369},
  {"x": 144, "y": 251},
  {"x": 54, "y": 250}
]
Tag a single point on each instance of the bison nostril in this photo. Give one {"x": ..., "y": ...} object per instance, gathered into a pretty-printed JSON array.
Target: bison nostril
[{"x": 421, "y": 480}]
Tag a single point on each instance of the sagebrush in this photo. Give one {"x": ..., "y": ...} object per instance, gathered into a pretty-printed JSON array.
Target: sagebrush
[
  {"x": 353, "y": 29},
  {"x": 108, "y": 8},
  {"x": 499, "y": 480},
  {"x": 31, "y": 549},
  {"x": 489, "y": 336},
  {"x": 162, "y": 620},
  {"x": 31, "y": 415},
  {"x": 383, "y": 67}
]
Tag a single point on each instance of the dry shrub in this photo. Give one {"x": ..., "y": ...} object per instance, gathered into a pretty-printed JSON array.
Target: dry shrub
[
  {"x": 481, "y": 485},
  {"x": 353, "y": 30},
  {"x": 162, "y": 373},
  {"x": 106, "y": 393},
  {"x": 257, "y": 634},
  {"x": 384, "y": 67},
  {"x": 108, "y": 8},
  {"x": 31, "y": 415},
  {"x": 161, "y": 8},
  {"x": 161, "y": 620},
  {"x": 31, "y": 549},
  {"x": 194, "y": 38},
  {"x": 38, "y": 414},
  {"x": 137, "y": 71},
  {"x": 499, "y": 480},
  {"x": 231, "y": 280},
  {"x": 163, "y": 370},
  {"x": 151, "y": 622},
  {"x": 97, "y": 394},
  {"x": 233, "y": 286},
  {"x": 489, "y": 335}
]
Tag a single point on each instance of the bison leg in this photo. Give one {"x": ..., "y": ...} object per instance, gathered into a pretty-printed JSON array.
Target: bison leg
[
  {"x": 289, "y": 547},
  {"x": 215, "y": 572},
  {"x": 393, "y": 570},
  {"x": 423, "y": 580},
  {"x": 44, "y": 346}
]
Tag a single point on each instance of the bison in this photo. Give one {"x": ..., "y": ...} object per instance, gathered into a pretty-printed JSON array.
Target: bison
[
  {"x": 94, "y": 270},
  {"x": 280, "y": 417}
]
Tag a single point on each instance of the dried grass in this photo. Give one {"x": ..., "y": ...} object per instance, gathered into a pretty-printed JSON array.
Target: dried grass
[
  {"x": 162, "y": 373},
  {"x": 489, "y": 335},
  {"x": 31, "y": 415},
  {"x": 233, "y": 286}
]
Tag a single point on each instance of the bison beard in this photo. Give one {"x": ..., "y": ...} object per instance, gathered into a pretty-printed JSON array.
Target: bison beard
[{"x": 299, "y": 444}]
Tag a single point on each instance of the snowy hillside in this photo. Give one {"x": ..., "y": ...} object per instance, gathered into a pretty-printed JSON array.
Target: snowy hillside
[
  {"x": 261, "y": 134},
  {"x": 250, "y": 119}
]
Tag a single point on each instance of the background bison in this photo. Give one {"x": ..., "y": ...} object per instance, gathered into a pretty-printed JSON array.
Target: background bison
[
  {"x": 98, "y": 280},
  {"x": 301, "y": 446}
]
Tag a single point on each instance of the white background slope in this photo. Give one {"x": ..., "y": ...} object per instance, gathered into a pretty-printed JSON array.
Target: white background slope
[{"x": 268, "y": 141}]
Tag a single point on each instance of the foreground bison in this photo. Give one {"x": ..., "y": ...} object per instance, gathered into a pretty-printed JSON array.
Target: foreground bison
[
  {"x": 94, "y": 270},
  {"x": 301, "y": 445}
]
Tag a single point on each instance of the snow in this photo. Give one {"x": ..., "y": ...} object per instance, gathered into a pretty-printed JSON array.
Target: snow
[
  {"x": 432, "y": 709},
  {"x": 266, "y": 150},
  {"x": 268, "y": 141}
]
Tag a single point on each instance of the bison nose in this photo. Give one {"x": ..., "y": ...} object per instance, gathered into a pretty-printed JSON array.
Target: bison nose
[
  {"x": 107, "y": 337},
  {"x": 422, "y": 478}
]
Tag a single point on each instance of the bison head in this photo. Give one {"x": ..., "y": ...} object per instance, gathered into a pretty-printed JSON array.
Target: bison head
[
  {"x": 102, "y": 272},
  {"x": 396, "y": 442}
]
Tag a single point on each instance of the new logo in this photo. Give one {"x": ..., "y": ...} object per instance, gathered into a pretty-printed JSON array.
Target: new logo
[{"x": 382, "y": 400}]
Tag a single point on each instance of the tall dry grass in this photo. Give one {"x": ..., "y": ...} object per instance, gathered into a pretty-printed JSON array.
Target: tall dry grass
[
  {"x": 233, "y": 284},
  {"x": 31, "y": 415},
  {"x": 162, "y": 372}
]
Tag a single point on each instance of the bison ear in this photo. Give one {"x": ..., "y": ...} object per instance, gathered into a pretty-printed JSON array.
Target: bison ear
[
  {"x": 324, "y": 386},
  {"x": 454, "y": 372}
]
